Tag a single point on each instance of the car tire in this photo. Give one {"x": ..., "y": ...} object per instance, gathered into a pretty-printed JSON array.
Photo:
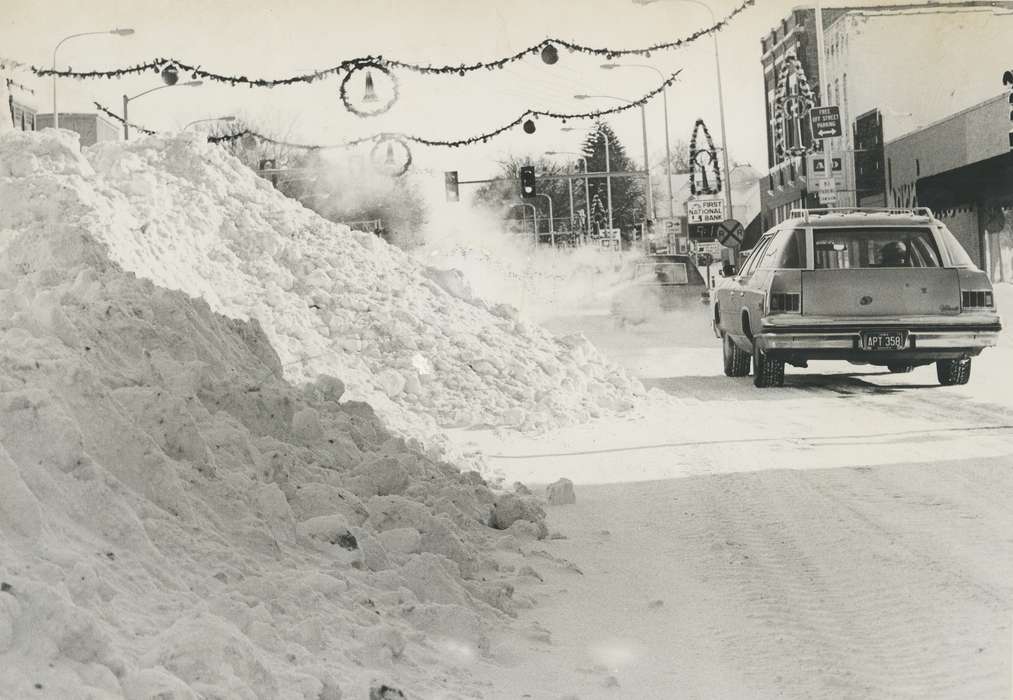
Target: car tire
[
  {"x": 736, "y": 361},
  {"x": 899, "y": 368},
  {"x": 767, "y": 371},
  {"x": 953, "y": 372}
]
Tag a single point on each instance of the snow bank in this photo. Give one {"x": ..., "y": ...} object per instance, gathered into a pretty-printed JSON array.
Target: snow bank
[
  {"x": 504, "y": 267},
  {"x": 408, "y": 340},
  {"x": 177, "y": 519}
]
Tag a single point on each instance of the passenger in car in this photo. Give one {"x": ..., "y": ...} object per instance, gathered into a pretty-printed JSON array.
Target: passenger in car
[{"x": 893, "y": 254}]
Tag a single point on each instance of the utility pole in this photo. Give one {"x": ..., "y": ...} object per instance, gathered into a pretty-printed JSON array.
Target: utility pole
[{"x": 824, "y": 89}]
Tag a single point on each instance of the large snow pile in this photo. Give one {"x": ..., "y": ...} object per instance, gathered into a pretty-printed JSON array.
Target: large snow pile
[
  {"x": 409, "y": 340},
  {"x": 176, "y": 519},
  {"x": 505, "y": 267}
]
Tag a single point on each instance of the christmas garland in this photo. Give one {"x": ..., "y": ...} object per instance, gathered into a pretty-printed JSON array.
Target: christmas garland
[
  {"x": 794, "y": 109},
  {"x": 118, "y": 118},
  {"x": 547, "y": 48},
  {"x": 367, "y": 66},
  {"x": 527, "y": 119},
  {"x": 712, "y": 151}
]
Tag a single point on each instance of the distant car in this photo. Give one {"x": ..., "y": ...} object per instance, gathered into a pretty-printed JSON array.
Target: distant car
[
  {"x": 659, "y": 283},
  {"x": 890, "y": 287}
]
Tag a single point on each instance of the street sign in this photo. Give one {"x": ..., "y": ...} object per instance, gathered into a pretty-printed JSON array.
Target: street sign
[
  {"x": 827, "y": 196},
  {"x": 818, "y": 165},
  {"x": 705, "y": 211},
  {"x": 730, "y": 233},
  {"x": 825, "y": 122}
]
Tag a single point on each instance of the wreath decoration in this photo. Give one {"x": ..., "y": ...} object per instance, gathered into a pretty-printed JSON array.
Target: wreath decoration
[
  {"x": 368, "y": 66},
  {"x": 712, "y": 154},
  {"x": 382, "y": 165},
  {"x": 792, "y": 107}
]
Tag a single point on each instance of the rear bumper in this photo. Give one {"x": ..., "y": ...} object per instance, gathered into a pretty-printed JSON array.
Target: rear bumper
[{"x": 927, "y": 342}]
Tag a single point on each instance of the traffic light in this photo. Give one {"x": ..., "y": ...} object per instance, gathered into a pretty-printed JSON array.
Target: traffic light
[
  {"x": 528, "y": 181},
  {"x": 450, "y": 180}
]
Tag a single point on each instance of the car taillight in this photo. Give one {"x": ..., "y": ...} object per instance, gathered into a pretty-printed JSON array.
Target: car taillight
[
  {"x": 976, "y": 300},
  {"x": 785, "y": 302}
]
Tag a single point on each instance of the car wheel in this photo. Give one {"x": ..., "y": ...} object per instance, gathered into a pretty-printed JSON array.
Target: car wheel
[
  {"x": 953, "y": 372},
  {"x": 899, "y": 368},
  {"x": 736, "y": 361},
  {"x": 767, "y": 371}
]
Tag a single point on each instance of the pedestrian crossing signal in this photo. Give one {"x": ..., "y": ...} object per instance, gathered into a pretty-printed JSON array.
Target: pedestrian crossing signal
[
  {"x": 528, "y": 181},
  {"x": 450, "y": 180}
]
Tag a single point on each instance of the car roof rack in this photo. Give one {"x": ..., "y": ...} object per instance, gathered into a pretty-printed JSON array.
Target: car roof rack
[{"x": 903, "y": 211}]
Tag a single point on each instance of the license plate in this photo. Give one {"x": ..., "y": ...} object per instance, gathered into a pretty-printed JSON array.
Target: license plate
[{"x": 884, "y": 340}]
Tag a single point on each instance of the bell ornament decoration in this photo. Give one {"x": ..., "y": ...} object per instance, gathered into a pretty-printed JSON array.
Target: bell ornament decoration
[
  {"x": 370, "y": 93},
  {"x": 550, "y": 54},
  {"x": 529, "y": 127}
]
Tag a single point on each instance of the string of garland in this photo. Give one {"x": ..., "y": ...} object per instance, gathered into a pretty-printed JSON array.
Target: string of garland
[
  {"x": 110, "y": 113},
  {"x": 13, "y": 83},
  {"x": 547, "y": 48},
  {"x": 712, "y": 153},
  {"x": 525, "y": 118}
]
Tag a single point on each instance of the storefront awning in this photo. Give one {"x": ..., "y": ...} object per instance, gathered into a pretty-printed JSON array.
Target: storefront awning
[{"x": 986, "y": 181}]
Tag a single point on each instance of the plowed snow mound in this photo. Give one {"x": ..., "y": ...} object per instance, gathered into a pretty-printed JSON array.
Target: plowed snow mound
[
  {"x": 408, "y": 340},
  {"x": 176, "y": 519}
]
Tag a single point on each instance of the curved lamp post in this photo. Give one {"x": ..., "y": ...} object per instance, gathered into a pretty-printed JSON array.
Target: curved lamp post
[
  {"x": 668, "y": 148},
  {"x": 587, "y": 189},
  {"x": 721, "y": 97},
  {"x": 127, "y": 100},
  {"x": 643, "y": 124},
  {"x": 117, "y": 32},
  {"x": 229, "y": 118},
  {"x": 608, "y": 176}
]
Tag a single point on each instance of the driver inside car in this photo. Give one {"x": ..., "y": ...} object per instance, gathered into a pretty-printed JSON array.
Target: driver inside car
[{"x": 893, "y": 254}]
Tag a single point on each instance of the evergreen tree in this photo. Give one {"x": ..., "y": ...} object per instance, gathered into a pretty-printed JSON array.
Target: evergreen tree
[{"x": 628, "y": 200}]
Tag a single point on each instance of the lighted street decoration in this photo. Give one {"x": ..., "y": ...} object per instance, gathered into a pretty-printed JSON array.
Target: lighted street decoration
[
  {"x": 703, "y": 161},
  {"x": 792, "y": 103},
  {"x": 366, "y": 70},
  {"x": 391, "y": 156}
]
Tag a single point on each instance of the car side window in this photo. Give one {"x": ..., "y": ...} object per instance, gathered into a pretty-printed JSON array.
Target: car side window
[
  {"x": 750, "y": 265},
  {"x": 786, "y": 251}
]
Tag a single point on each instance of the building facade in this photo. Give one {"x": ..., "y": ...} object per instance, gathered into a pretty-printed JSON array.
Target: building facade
[
  {"x": 890, "y": 69},
  {"x": 90, "y": 126},
  {"x": 961, "y": 167}
]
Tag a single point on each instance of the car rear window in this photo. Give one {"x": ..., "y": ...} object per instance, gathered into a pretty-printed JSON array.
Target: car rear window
[
  {"x": 786, "y": 252},
  {"x": 850, "y": 248},
  {"x": 661, "y": 273},
  {"x": 958, "y": 256}
]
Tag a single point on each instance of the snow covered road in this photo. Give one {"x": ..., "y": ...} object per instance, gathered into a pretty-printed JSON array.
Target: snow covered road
[{"x": 847, "y": 536}]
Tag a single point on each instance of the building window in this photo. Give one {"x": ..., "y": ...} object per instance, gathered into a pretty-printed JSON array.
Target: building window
[
  {"x": 889, "y": 173},
  {"x": 918, "y": 168}
]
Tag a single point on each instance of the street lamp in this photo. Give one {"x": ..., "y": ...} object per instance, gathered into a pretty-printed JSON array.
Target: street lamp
[
  {"x": 569, "y": 181},
  {"x": 127, "y": 100},
  {"x": 117, "y": 32},
  {"x": 668, "y": 148},
  {"x": 643, "y": 124},
  {"x": 721, "y": 98},
  {"x": 229, "y": 118},
  {"x": 552, "y": 231},
  {"x": 608, "y": 175}
]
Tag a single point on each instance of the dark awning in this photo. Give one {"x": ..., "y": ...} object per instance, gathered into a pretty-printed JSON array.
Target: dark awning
[{"x": 989, "y": 180}]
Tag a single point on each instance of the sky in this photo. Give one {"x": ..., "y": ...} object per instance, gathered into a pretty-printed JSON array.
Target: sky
[{"x": 274, "y": 40}]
